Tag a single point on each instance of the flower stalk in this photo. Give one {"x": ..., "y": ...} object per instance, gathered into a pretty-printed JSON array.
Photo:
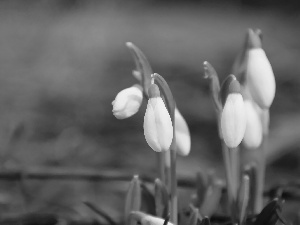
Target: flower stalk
[
  {"x": 170, "y": 103},
  {"x": 233, "y": 126},
  {"x": 142, "y": 73}
]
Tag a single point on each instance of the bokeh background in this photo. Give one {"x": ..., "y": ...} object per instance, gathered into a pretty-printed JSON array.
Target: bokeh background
[{"x": 63, "y": 62}]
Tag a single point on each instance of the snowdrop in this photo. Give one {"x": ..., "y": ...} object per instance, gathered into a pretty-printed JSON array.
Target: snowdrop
[
  {"x": 127, "y": 102},
  {"x": 158, "y": 128},
  {"x": 233, "y": 117},
  {"x": 259, "y": 74}
]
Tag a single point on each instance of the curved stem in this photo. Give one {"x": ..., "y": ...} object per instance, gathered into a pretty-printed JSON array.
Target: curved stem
[{"x": 142, "y": 65}]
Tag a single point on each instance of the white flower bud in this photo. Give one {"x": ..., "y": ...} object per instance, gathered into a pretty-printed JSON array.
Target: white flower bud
[
  {"x": 152, "y": 220},
  {"x": 233, "y": 117},
  {"x": 254, "y": 132},
  {"x": 158, "y": 128},
  {"x": 127, "y": 102},
  {"x": 233, "y": 120},
  {"x": 260, "y": 78},
  {"x": 182, "y": 134}
]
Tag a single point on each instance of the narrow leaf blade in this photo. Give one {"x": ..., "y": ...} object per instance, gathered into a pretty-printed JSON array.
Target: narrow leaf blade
[
  {"x": 161, "y": 199},
  {"x": 133, "y": 197}
]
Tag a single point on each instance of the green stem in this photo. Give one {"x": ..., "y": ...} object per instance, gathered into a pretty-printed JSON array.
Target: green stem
[
  {"x": 173, "y": 186},
  {"x": 170, "y": 103},
  {"x": 160, "y": 160},
  {"x": 258, "y": 202},
  {"x": 235, "y": 170},
  {"x": 229, "y": 179},
  {"x": 168, "y": 169},
  {"x": 256, "y": 157},
  {"x": 235, "y": 173},
  {"x": 232, "y": 167}
]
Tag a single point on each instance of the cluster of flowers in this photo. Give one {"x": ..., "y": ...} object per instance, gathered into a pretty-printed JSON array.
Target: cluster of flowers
[
  {"x": 258, "y": 90},
  {"x": 243, "y": 118},
  {"x": 242, "y": 110},
  {"x": 158, "y": 128}
]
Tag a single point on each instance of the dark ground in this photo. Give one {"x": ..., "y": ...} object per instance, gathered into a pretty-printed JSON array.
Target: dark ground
[{"x": 62, "y": 65}]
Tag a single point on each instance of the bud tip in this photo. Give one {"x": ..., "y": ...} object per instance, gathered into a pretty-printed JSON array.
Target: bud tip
[
  {"x": 153, "y": 91},
  {"x": 253, "y": 39}
]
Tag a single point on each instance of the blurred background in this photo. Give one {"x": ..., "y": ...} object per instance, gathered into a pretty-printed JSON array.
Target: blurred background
[{"x": 62, "y": 63}]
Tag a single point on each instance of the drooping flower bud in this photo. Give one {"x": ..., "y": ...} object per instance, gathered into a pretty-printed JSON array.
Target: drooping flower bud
[
  {"x": 254, "y": 132},
  {"x": 233, "y": 118},
  {"x": 259, "y": 74},
  {"x": 182, "y": 134},
  {"x": 158, "y": 128},
  {"x": 127, "y": 102}
]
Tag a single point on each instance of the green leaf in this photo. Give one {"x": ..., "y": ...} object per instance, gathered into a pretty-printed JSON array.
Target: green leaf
[
  {"x": 161, "y": 199},
  {"x": 148, "y": 201},
  {"x": 100, "y": 212},
  {"x": 201, "y": 186},
  {"x": 270, "y": 214},
  {"x": 251, "y": 171},
  {"x": 243, "y": 198},
  {"x": 142, "y": 66},
  {"x": 211, "y": 74},
  {"x": 212, "y": 198},
  {"x": 133, "y": 197},
  {"x": 194, "y": 216}
]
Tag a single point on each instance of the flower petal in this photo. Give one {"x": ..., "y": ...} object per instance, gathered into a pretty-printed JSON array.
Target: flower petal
[
  {"x": 158, "y": 129},
  {"x": 182, "y": 134},
  {"x": 260, "y": 78},
  {"x": 150, "y": 128},
  {"x": 127, "y": 102},
  {"x": 233, "y": 120},
  {"x": 163, "y": 124},
  {"x": 254, "y": 133}
]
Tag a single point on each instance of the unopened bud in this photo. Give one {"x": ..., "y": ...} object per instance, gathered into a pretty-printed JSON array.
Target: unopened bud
[
  {"x": 127, "y": 102},
  {"x": 233, "y": 117},
  {"x": 259, "y": 75},
  {"x": 158, "y": 128}
]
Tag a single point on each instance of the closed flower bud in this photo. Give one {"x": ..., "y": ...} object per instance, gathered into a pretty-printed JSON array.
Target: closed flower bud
[
  {"x": 254, "y": 130},
  {"x": 182, "y": 134},
  {"x": 259, "y": 74},
  {"x": 233, "y": 117},
  {"x": 158, "y": 128},
  {"x": 127, "y": 102}
]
